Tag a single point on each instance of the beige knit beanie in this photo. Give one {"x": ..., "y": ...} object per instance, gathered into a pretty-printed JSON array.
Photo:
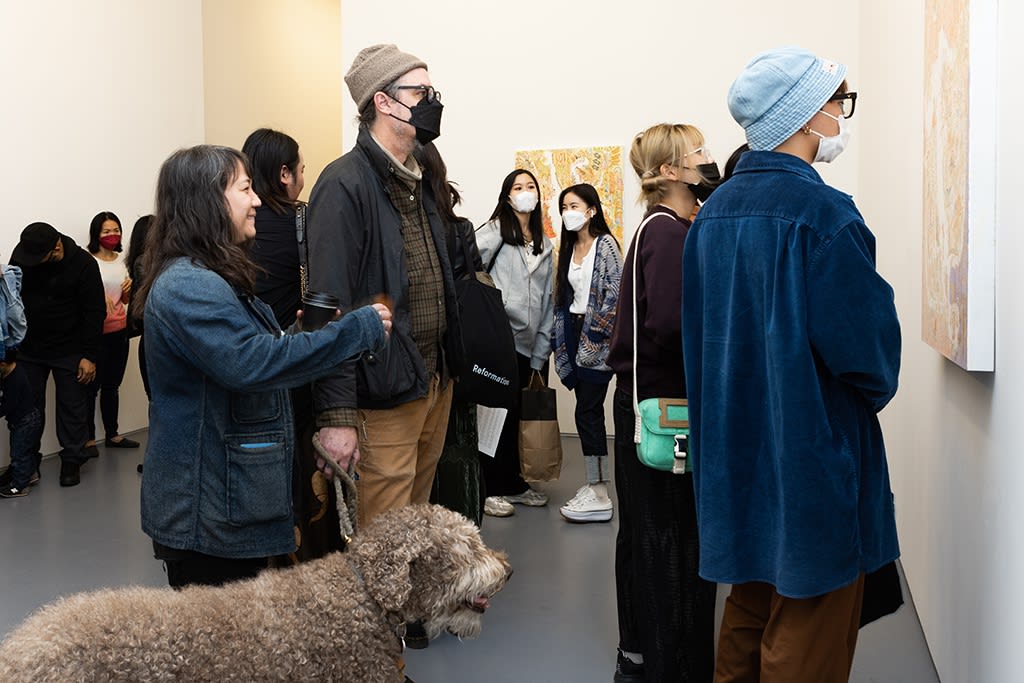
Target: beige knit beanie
[{"x": 375, "y": 67}]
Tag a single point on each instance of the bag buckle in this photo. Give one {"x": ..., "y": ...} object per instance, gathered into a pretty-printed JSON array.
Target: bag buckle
[{"x": 682, "y": 447}]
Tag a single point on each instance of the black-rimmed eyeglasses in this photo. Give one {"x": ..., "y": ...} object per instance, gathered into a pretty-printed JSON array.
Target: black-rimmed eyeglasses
[
  {"x": 847, "y": 101},
  {"x": 428, "y": 92}
]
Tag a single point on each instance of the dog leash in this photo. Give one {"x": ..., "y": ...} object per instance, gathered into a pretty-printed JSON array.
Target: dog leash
[{"x": 345, "y": 487}]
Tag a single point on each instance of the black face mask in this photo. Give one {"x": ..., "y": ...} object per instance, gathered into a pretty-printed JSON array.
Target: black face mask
[
  {"x": 425, "y": 118},
  {"x": 710, "y": 179}
]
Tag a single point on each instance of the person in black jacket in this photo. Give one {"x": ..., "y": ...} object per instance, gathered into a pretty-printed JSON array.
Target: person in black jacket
[
  {"x": 65, "y": 308},
  {"x": 374, "y": 230}
]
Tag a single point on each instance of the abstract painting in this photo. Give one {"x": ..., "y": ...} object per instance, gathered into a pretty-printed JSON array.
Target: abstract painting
[
  {"x": 958, "y": 274},
  {"x": 557, "y": 169}
]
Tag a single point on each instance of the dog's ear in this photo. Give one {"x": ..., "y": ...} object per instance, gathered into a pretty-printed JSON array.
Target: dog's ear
[{"x": 385, "y": 560}]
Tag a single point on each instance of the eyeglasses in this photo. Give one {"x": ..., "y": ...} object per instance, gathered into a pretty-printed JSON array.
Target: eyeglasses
[
  {"x": 842, "y": 100},
  {"x": 428, "y": 92},
  {"x": 704, "y": 151}
]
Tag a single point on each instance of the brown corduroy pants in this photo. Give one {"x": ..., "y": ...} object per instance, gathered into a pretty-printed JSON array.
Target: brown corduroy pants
[{"x": 774, "y": 639}]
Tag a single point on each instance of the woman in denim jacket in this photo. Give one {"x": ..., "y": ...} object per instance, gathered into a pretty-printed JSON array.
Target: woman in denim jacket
[
  {"x": 586, "y": 294},
  {"x": 216, "y": 491}
]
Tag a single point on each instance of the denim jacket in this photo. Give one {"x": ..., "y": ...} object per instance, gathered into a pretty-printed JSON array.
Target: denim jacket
[
  {"x": 792, "y": 347},
  {"x": 219, "y": 457},
  {"x": 12, "y": 310}
]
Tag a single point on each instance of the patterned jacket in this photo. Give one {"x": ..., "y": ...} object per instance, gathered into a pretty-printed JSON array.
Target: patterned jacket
[{"x": 585, "y": 358}]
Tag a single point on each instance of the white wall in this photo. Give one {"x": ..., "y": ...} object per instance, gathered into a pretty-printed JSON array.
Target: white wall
[
  {"x": 953, "y": 437},
  {"x": 285, "y": 74},
  {"x": 96, "y": 95},
  {"x": 539, "y": 75}
]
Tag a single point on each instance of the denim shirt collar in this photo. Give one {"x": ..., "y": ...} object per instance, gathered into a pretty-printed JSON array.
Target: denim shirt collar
[{"x": 756, "y": 161}]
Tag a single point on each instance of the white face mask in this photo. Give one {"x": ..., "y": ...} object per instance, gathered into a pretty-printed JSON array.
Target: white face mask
[
  {"x": 524, "y": 202},
  {"x": 829, "y": 147},
  {"x": 574, "y": 220}
]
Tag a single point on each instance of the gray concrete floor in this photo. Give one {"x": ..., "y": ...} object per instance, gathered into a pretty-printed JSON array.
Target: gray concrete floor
[{"x": 554, "y": 622}]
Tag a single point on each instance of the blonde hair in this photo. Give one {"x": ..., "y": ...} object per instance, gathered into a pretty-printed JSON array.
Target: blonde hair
[{"x": 664, "y": 143}]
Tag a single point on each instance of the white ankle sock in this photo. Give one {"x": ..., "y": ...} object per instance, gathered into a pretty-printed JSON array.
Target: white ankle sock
[{"x": 600, "y": 490}]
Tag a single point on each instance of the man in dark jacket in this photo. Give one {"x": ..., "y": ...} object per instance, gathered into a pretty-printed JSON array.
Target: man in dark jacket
[
  {"x": 374, "y": 230},
  {"x": 65, "y": 308}
]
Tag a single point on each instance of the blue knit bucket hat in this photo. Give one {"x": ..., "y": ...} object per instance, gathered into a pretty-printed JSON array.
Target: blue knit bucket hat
[{"x": 779, "y": 91}]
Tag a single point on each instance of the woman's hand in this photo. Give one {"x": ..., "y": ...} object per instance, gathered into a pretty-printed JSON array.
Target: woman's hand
[{"x": 126, "y": 290}]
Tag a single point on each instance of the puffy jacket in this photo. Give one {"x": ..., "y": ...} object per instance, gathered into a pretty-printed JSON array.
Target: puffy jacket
[
  {"x": 219, "y": 456},
  {"x": 12, "y": 310},
  {"x": 356, "y": 253}
]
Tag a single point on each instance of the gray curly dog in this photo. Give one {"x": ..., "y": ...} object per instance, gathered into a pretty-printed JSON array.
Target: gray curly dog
[{"x": 338, "y": 618}]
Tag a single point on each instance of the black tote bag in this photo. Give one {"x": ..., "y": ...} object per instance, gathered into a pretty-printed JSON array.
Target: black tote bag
[{"x": 489, "y": 370}]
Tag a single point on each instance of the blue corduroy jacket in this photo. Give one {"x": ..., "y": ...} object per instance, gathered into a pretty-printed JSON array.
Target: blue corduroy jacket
[{"x": 791, "y": 346}]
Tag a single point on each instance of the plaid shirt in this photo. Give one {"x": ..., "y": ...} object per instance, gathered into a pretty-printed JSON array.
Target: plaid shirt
[{"x": 426, "y": 286}]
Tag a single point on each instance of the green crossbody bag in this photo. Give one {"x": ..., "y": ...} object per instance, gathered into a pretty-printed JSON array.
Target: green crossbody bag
[
  {"x": 664, "y": 434},
  {"x": 662, "y": 431}
]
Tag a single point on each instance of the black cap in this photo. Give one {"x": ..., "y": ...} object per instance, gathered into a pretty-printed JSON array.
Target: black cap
[{"x": 37, "y": 240}]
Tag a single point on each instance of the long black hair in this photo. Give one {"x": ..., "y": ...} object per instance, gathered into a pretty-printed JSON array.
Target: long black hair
[
  {"x": 192, "y": 218},
  {"x": 511, "y": 233},
  {"x": 435, "y": 171},
  {"x": 268, "y": 150},
  {"x": 97, "y": 225},
  {"x": 137, "y": 242},
  {"x": 598, "y": 226}
]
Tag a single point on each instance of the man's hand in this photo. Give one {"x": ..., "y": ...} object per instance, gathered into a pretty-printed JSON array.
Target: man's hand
[
  {"x": 86, "y": 371},
  {"x": 385, "y": 317},
  {"x": 342, "y": 444}
]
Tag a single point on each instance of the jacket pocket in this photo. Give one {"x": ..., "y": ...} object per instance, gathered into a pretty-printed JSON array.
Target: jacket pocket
[
  {"x": 389, "y": 373},
  {"x": 252, "y": 408},
  {"x": 258, "y": 478}
]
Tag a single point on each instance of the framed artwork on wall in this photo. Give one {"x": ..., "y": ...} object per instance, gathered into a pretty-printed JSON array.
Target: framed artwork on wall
[
  {"x": 958, "y": 250},
  {"x": 557, "y": 169}
]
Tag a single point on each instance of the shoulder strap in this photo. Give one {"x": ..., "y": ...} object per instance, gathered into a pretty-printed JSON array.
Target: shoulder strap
[
  {"x": 301, "y": 238},
  {"x": 495, "y": 257},
  {"x": 635, "y": 248}
]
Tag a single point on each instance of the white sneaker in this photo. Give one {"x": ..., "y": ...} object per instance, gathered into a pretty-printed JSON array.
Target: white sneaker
[
  {"x": 587, "y": 507},
  {"x": 531, "y": 497},
  {"x": 496, "y": 506}
]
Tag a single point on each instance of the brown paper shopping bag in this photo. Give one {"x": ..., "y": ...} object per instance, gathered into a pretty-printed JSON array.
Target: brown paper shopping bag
[{"x": 540, "y": 443}]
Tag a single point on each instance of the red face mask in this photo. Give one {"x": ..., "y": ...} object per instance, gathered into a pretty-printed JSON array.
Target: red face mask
[{"x": 111, "y": 242}]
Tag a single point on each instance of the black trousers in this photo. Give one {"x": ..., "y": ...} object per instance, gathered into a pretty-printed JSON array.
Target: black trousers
[
  {"x": 666, "y": 611},
  {"x": 110, "y": 367},
  {"x": 72, "y": 431},
  {"x": 501, "y": 473},
  {"x": 590, "y": 417},
  {"x": 206, "y": 570}
]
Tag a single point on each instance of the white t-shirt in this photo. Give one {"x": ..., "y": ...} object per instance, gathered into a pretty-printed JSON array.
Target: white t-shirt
[{"x": 580, "y": 275}]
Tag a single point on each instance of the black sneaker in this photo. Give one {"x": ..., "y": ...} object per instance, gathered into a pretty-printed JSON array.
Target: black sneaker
[
  {"x": 7, "y": 479},
  {"x": 13, "y": 492},
  {"x": 628, "y": 671}
]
